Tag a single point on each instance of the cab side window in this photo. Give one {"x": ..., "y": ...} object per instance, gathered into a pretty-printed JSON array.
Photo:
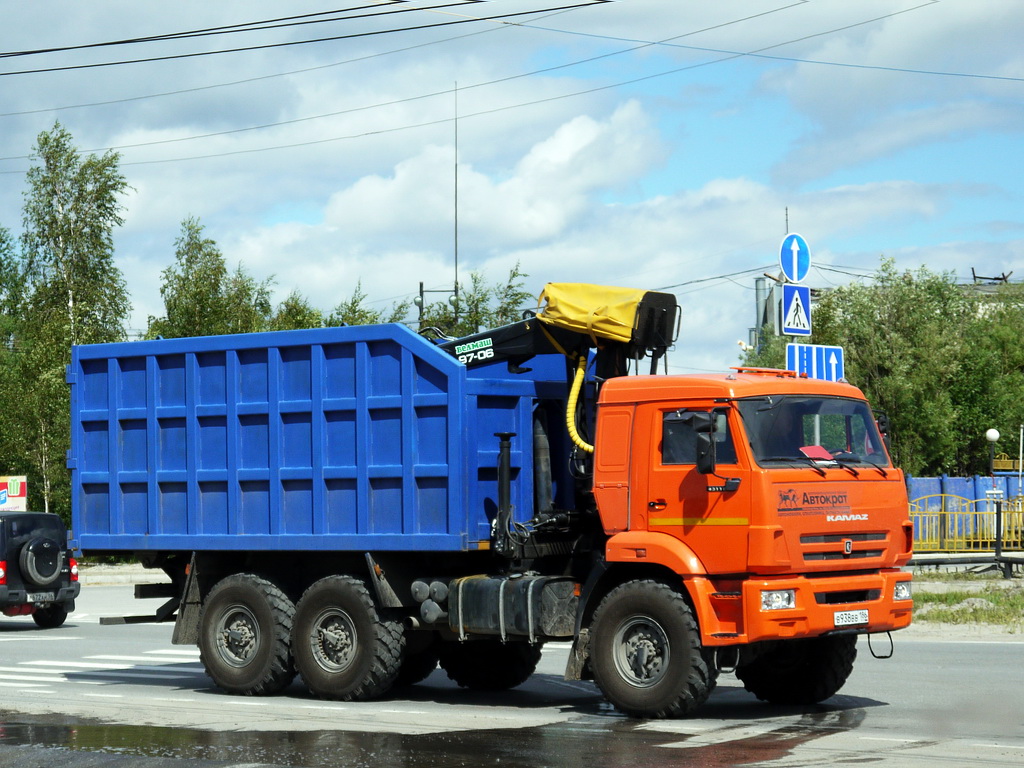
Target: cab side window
[{"x": 679, "y": 440}]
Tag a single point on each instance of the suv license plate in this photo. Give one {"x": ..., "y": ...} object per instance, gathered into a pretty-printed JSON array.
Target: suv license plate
[
  {"x": 851, "y": 618},
  {"x": 41, "y": 597}
]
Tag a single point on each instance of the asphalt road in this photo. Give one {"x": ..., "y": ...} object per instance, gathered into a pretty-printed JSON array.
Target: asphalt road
[{"x": 86, "y": 695}]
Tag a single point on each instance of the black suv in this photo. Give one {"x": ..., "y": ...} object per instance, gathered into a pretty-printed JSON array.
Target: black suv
[{"x": 38, "y": 576}]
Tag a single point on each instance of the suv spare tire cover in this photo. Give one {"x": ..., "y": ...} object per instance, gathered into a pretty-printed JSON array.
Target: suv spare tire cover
[{"x": 41, "y": 560}]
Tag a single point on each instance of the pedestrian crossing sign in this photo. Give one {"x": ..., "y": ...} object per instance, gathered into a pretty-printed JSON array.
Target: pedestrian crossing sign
[{"x": 796, "y": 310}]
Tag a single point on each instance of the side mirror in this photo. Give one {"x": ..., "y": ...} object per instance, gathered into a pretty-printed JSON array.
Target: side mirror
[
  {"x": 705, "y": 453},
  {"x": 704, "y": 425}
]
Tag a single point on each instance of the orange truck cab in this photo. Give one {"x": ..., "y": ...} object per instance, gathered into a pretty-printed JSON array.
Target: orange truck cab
[
  {"x": 797, "y": 527},
  {"x": 771, "y": 496}
]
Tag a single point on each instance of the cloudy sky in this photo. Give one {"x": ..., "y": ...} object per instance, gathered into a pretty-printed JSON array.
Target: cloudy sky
[{"x": 656, "y": 144}]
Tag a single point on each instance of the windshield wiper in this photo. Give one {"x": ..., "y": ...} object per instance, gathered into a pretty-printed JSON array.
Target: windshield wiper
[
  {"x": 879, "y": 467},
  {"x": 843, "y": 460},
  {"x": 802, "y": 459}
]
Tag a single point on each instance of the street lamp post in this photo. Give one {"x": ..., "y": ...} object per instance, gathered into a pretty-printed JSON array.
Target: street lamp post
[
  {"x": 992, "y": 435},
  {"x": 420, "y": 302}
]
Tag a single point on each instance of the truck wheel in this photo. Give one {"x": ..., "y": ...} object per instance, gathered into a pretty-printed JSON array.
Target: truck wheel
[
  {"x": 800, "y": 671},
  {"x": 646, "y": 651},
  {"x": 343, "y": 648},
  {"x": 489, "y": 664},
  {"x": 41, "y": 560},
  {"x": 244, "y": 632},
  {"x": 50, "y": 617}
]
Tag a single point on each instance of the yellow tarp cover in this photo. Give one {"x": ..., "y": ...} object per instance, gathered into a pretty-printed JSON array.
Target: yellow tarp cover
[{"x": 600, "y": 311}]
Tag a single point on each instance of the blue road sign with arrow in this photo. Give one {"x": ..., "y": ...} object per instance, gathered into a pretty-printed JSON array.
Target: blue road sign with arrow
[
  {"x": 816, "y": 361},
  {"x": 795, "y": 258}
]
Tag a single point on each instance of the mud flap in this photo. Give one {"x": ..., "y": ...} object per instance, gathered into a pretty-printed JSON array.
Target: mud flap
[
  {"x": 578, "y": 656},
  {"x": 186, "y": 625}
]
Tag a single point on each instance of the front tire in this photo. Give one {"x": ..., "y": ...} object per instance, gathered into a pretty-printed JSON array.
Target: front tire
[
  {"x": 646, "y": 652},
  {"x": 244, "y": 633},
  {"x": 806, "y": 671},
  {"x": 344, "y": 649}
]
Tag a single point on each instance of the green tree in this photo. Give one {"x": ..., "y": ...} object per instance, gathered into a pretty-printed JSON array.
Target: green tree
[
  {"x": 192, "y": 287},
  {"x": 990, "y": 390},
  {"x": 72, "y": 207},
  {"x": 480, "y": 306},
  {"x": 944, "y": 362},
  {"x": 353, "y": 311},
  {"x": 296, "y": 312},
  {"x": 904, "y": 347},
  {"x": 62, "y": 289},
  {"x": 247, "y": 302},
  {"x": 201, "y": 298}
]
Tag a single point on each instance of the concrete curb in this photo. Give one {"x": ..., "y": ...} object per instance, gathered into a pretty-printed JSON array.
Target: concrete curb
[{"x": 107, "y": 575}]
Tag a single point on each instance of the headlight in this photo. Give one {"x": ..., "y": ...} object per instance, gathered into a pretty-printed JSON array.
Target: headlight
[
  {"x": 902, "y": 591},
  {"x": 778, "y": 599}
]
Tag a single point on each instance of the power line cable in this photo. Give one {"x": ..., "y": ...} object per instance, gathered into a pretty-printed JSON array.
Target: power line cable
[
  {"x": 395, "y": 102},
  {"x": 289, "y": 43},
  {"x": 480, "y": 113},
  {"x": 248, "y": 26},
  {"x": 246, "y": 81}
]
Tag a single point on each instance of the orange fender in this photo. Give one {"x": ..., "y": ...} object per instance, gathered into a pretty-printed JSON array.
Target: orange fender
[{"x": 652, "y": 548}]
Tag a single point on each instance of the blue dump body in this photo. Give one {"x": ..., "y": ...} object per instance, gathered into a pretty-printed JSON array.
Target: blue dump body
[{"x": 356, "y": 438}]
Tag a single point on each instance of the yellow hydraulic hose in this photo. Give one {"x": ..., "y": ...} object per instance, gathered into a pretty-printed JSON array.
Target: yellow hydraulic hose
[{"x": 570, "y": 411}]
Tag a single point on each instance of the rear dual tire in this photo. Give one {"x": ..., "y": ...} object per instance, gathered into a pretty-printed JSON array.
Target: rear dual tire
[
  {"x": 343, "y": 647},
  {"x": 244, "y": 636}
]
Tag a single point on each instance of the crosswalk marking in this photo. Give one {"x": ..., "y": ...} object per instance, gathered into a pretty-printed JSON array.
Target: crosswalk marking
[{"x": 102, "y": 669}]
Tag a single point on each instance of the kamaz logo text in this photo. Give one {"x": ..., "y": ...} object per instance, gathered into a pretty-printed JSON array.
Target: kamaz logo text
[{"x": 844, "y": 518}]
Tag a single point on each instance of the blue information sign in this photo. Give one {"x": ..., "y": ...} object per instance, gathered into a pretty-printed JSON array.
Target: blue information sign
[
  {"x": 795, "y": 258},
  {"x": 816, "y": 361},
  {"x": 796, "y": 310}
]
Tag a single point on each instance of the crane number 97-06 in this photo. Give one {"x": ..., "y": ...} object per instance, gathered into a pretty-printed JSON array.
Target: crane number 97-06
[{"x": 476, "y": 356}]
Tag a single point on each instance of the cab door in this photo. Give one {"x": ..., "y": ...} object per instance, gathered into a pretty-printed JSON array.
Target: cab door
[{"x": 710, "y": 513}]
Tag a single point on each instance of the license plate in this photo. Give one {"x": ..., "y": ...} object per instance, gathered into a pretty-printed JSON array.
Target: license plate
[
  {"x": 41, "y": 597},
  {"x": 851, "y": 618}
]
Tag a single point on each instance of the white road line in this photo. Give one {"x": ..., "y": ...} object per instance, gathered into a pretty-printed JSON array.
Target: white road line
[
  {"x": 178, "y": 662},
  {"x": 1000, "y": 746},
  {"x": 174, "y": 701},
  {"x": 883, "y": 738},
  {"x": 30, "y": 678},
  {"x": 82, "y": 665},
  {"x": 324, "y": 708},
  {"x": 175, "y": 652},
  {"x": 104, "y": 695},
  {"x": 118, "y": 674}
]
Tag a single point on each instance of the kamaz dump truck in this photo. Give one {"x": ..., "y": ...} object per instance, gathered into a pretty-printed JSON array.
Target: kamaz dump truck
[{"x": 358, "y": 504}]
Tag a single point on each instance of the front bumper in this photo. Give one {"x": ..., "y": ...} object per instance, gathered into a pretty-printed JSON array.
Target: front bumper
[
  {"x": 861, "y": 603},
  {"x": 20, "y": 596}
]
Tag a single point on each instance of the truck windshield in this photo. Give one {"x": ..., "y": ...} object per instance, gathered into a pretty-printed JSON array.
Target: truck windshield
[{"x": 787, "y": 429}]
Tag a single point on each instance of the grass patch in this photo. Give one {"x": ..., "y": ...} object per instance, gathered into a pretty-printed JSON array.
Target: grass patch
[{"x": 990, "y": 605}]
